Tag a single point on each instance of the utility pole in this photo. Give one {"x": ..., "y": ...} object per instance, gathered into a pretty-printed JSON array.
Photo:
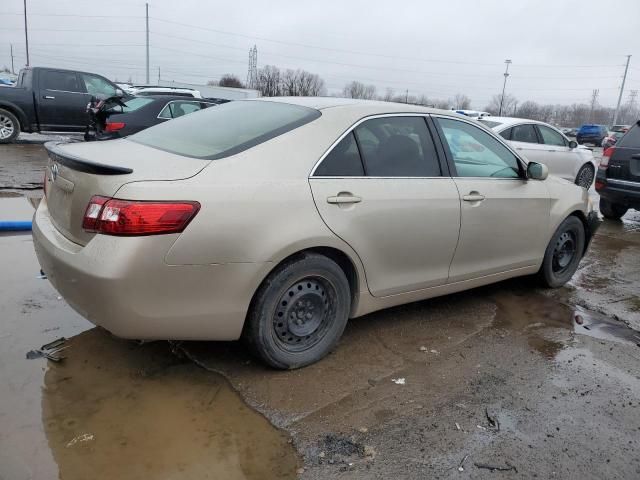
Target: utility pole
[
  {"x": 504, "y": 85},
  {"x": 26, "y": 35},
  {"x": 624, "y": 79},
  {"x": 406, "y": 96},
  {"x": 12, "y": 69},
  {"x": 147, "y": 19},
  {"x": 158, "y": 75},
  {"x": 594, "y": 100}
]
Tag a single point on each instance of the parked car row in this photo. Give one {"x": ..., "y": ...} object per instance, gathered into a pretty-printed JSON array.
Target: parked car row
[{"x": 56, "y": 100}]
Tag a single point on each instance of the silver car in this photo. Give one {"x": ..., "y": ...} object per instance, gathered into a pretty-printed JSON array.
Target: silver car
[{"x": 276, "y": 220}]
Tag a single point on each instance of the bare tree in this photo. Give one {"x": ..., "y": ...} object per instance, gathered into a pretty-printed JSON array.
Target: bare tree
[
  {"x": 441, "y": 104},
  {"x": 310, "y": 84},
  {"x": 461, "y": 102},
  {"x": 357, "y": 89},
  {"x": 227, "y": 80},
  {"x": 528, "y": 109},
  {"x": 388, "y": 95},
  {"x": 507, "y": 105},
  {"x": 269, "y": 81}
]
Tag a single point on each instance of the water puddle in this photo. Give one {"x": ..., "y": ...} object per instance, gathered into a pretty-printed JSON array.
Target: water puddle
[
  {"x": 550, "y": 324},
  {"x": 158, "y": 416},
  {"x": 114, "y": 409}
]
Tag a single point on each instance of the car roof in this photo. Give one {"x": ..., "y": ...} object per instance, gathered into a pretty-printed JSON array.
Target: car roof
[
  {"x": 506, "y": 122},
  {"x": 322, "y": 103}
]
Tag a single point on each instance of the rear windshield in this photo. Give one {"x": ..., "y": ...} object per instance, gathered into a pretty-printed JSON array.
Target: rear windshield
[
  {"x": 131, "y": 105},
  {"x": 225, "y": 130},
  {"x": 490, "y": 123}
]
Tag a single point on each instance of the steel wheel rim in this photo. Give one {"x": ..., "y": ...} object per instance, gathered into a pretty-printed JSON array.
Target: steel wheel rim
[
  {"x": 564, "y": 252},
  {"x": 585, "y": 178},
  {"x": 303, "y": 314},
  {"x": 6, "y": 127}
]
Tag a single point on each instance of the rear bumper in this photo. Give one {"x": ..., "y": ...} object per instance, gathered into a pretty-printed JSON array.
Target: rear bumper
[
  {"x": 124, "y": 285},
  {"x": 621, "y": 192}
]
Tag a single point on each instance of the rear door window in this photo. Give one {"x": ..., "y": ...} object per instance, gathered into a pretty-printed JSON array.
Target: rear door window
[
  {"x": 524, "y": 133},
  {"x": 60, "y": 81},
  {"x": 551, "y": 137},
  {"x": 343, "y": 160},
  {"x": 506, "y": 134},
  {"x": 397, "y": 147}
]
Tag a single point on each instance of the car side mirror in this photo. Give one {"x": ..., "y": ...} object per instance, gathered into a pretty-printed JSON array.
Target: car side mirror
[
  {"x": 537, "y": 171},
  {"x": 573, "y": 144}
]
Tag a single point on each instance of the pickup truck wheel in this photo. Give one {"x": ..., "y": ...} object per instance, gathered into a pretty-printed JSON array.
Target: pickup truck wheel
[
  {"x": 585, "y": 176},
  {"x": 9, "y": 126},
  {"x": 563, "y": 253},
  {"x": 299, "y": 313},
  {"x": 612, "y": 211}
]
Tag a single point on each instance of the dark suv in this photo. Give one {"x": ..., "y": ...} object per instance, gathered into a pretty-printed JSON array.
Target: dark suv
[
  {"x": 618, "y": 178},
  {"x": 590, "y": 133}
]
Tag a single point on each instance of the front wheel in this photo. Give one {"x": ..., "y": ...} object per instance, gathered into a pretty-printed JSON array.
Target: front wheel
[
  {"x": 563, "y": 253},
  {"x": 612, "y": 211},
  {"x": 9, "y": 126},
  {"x": 299, "y": 312},
  {"x": 585, "y": 175}
]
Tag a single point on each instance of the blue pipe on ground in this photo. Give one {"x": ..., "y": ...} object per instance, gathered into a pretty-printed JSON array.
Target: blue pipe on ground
[{"x": 15, "y": 226}]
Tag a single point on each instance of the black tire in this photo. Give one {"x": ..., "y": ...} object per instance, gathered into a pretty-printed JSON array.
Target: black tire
[
  {"x": 563, "y": 254},
  {"x": 585, "y": 176},
  {"x": 612, "y": 211},
  {"x": 9, "y": 126},
  {"x": 299, "y": 312}
]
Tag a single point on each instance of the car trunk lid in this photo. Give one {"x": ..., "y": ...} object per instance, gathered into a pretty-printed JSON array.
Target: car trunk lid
[{"x": 76, "y": 172}]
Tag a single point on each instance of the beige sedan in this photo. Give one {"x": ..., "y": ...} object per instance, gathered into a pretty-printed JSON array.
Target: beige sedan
[{"x": 276, "y": 220}]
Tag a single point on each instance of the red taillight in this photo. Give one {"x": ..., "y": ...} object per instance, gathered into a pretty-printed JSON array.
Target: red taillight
[
  {"x": 90, "y": 219},
  {"x": 604, "y": 165},
  {"x": 114, "y": 126},
  {"x": 111, "y": 216},
  {"x": 606, "y": 155}
]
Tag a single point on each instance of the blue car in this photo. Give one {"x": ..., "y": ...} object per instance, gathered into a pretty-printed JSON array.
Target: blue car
[{"x": 591, "y": 133}]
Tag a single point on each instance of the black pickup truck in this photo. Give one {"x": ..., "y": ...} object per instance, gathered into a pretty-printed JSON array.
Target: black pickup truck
[{"x": 49, "y": 100}]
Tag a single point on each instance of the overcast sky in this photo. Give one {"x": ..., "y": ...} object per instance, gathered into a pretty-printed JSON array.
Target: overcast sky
[{"x": 561, "y": 50}]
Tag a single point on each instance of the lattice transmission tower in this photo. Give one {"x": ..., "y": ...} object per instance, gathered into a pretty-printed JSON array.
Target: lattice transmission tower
[{"x": 252, "y": 73}]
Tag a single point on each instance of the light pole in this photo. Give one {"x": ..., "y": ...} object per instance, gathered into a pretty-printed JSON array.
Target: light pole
[
  {"x": 624, "y": 79},
  {"x": 26, "y": 35},
  {"x": 504, "y": 85}
]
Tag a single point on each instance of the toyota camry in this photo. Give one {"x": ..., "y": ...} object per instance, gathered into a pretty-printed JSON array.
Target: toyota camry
[{"x": 276, "y": 220}]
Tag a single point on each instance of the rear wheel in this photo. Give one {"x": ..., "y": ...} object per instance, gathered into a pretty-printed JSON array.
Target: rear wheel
[
  {"x": 563, "y": 253},
  {"x": 585, "y": 175},
  {"x": 612, "y": 211},
  {"x": 9, "y": 126},
  {"x": 299, "y": 312}
]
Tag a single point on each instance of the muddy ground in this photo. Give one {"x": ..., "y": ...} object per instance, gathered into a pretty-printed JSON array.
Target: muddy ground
[{"x": 537, "y": 383}]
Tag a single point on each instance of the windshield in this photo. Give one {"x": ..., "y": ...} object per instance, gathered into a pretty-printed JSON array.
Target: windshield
[
  {"x": 490, "y": 123},
  {"x": 225, "y": 130}
]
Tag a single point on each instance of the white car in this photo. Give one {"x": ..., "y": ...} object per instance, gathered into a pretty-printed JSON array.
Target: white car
[
  {"x": 178, "y": 92},
  {"x": 542, "y": 143}
]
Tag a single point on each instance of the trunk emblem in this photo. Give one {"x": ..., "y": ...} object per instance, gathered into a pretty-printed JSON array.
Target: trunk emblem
[{"x": 54, "y": 172}]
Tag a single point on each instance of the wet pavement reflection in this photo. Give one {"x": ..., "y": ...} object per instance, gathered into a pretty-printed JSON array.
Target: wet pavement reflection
[{"x": 113, "y": 408}]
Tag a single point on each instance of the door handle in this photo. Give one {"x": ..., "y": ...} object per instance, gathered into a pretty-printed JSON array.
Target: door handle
[
  {"x": 344, "y": 199},
  {"x": 49, "y": 97},
  {"x": 473, "y": 197}
]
